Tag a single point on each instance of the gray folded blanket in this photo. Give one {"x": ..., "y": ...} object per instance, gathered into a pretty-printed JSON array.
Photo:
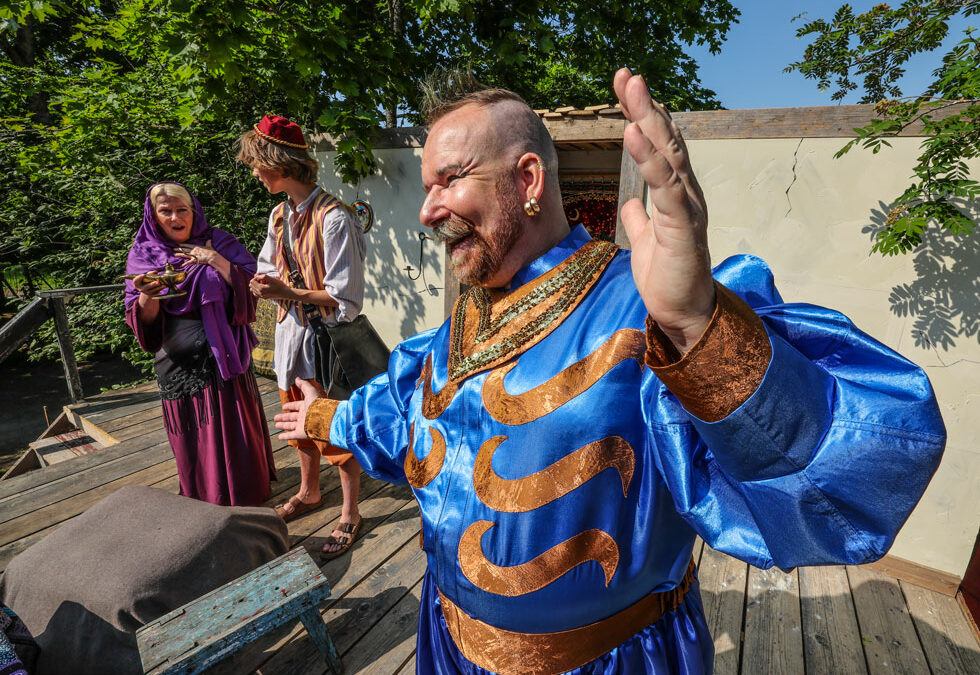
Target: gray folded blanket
[{"x": 85, "y": 589}]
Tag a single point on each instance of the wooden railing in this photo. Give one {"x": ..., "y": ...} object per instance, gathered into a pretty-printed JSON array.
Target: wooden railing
[{"x": 50, "y": 305}]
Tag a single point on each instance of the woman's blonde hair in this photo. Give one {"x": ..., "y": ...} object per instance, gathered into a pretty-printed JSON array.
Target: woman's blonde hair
[
  {"x": 170, "y": 190},
  {"x": 254, "y": 151}
]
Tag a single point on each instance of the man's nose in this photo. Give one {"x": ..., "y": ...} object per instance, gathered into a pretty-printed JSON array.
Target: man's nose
[{"x": 432, "y": 208}]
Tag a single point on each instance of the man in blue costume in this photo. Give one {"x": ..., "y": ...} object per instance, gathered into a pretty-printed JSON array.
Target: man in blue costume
[{"x": 585, "y": 412}]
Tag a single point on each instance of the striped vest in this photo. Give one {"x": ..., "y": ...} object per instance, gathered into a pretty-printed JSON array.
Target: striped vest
[{"x": 307, "y": 249}]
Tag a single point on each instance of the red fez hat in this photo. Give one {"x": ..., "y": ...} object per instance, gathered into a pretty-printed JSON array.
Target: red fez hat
[{"x": 280, "y": 130}]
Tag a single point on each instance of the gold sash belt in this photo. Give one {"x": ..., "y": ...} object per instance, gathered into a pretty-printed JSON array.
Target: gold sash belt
[{"x": 510, "y": 653}]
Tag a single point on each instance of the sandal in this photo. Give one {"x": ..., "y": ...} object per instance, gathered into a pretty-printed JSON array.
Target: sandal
[
  {"x": 346, "y": 540},
  {"x": 298, "y": 508}
]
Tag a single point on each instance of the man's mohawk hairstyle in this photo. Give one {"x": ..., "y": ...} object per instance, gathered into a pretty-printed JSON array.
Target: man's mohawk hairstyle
[{"x": 447, "y": 89}]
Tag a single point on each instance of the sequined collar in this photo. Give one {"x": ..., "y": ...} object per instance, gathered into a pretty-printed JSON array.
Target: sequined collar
[
  {"x": 490, "y": 327},
  {"x": 572, "y": 242}
]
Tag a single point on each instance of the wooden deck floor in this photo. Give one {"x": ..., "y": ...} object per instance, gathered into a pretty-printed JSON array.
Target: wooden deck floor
[{"x": 836, "y": 620}]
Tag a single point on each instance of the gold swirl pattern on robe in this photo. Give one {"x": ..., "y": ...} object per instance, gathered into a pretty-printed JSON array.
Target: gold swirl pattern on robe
[
  {"x": 557, "y": 480},
  {"x": 627, "y": 343},
  {"x": 538, "y": 572},
  {"x": 420, "y": 472},
  {"x": 434, "y": 404}
]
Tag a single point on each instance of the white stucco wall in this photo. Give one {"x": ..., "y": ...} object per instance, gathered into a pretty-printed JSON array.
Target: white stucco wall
[
  {"x": 809, "y": 216},
  {"x": 397, "y": 305},
  {"x": 817, "y": 239}
]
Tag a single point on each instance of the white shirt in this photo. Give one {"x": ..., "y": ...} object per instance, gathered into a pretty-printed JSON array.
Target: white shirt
[{"x": 343, "y": 261}]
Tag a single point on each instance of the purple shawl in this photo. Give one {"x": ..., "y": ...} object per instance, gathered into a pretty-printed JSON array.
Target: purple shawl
[{"x": 207, "y": 291}]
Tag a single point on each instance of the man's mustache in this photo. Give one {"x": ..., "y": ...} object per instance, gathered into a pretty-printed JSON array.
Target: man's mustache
[{"x": 452, "y": 230}]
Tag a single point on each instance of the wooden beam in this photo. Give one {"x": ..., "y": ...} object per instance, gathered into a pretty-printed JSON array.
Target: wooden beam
[
  {"x": 67, "y": 351},
  {"x": 81, "y": 290},
  {"x": 630, "y": 185},
  {"x": 813, "y": 122},
  {"x": 19, "y": 329},
  {"x": 920, "y": 575},
  {"x": 838, "y": 121}
]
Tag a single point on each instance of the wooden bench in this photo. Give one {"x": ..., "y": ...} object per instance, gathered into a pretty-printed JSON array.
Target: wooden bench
[{"x": 196, "y": 636}]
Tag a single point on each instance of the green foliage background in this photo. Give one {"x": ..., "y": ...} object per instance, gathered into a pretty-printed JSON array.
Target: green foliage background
[
  {"x": 99, "y": 100},
  {"x": 873, "y": 48}
]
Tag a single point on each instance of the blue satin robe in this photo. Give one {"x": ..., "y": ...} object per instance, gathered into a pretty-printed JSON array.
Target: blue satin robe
[{"x": 821, "y": 465}]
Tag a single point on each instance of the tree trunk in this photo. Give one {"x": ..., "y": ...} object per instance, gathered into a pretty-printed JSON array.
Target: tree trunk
[
  {"x": 21, "y": 53},
  {"x": 395, "y": 17}
]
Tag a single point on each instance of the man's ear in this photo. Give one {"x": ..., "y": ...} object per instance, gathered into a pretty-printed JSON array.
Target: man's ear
[{"x": 531, "y": 176}]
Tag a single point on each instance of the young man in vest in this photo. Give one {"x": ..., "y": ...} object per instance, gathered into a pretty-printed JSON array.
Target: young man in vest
[{"x": 327, "y": 246}]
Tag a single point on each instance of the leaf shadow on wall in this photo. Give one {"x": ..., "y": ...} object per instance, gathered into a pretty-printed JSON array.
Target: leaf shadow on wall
[{"x": 944, "y": 297}]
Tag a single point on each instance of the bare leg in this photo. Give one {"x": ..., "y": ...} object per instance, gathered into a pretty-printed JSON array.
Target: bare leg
[
  {"x": 309, "y": 475},
  {"x": 350, "y": 485},
  {"x": 309, "y": 485}
]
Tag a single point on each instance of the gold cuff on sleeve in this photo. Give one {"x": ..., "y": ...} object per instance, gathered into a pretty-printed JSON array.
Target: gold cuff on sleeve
[
  {"x": 319, "y": 416},
  {"x": 723, "y": 368}
]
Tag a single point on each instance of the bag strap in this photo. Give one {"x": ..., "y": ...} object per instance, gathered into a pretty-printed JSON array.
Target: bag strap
[{"x": 311, "y": 311}]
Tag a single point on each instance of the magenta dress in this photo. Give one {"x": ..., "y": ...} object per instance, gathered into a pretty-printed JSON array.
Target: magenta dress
[{"x": 216, "y": 427}]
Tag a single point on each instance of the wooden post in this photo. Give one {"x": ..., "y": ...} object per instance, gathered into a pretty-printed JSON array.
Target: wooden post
[
  {"x": 630, "y": 185},
  {"x": 57, "y": 304}
]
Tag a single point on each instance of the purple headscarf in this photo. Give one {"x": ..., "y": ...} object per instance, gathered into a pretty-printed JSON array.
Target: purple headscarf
[{"x": 206, "y": 290}]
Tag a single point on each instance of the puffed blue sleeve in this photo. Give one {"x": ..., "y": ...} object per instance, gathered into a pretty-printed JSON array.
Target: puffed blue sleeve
[
  {"x": 373, "y": 423},
  {"x": 823, "y": 462}
]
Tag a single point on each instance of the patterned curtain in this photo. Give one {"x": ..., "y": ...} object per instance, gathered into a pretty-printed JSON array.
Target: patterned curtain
[
  {"x": 591, "y": 201},
  {"x": 265, "y": 331}
]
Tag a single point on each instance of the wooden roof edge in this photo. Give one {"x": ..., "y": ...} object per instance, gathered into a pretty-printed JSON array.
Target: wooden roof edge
[{"x": 804, "y": 122}]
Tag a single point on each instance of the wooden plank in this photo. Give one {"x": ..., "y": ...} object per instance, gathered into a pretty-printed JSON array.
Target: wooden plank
[
  {"x": 631, "y": 185},
  {"x": 170, "y": 483},
  {"x": 100, "y": 474},
  {"x": 54, "y": 512},
  {"x": 773, "y": 629},
  {"x": 19, "y": 329},
  {"x": 946, "y": 636},
  {"x": 391, "y": 642},
  {"x": 586, "y": 129},
  {"x": 964, "y": 604},
  {"x": 68, "y": 362},
  {"x": 696, "y": 553},
  {"x": 81, "y": 290},
  {"x": 409, "y": 667},
  {"x": 365, "y": 609},
  {"x": 398, "y": 528},
  {"x": 807, "y": 122},
  {"x": 202, "y": 632},
  {"x": 920, "y": 575},
  {"x": 890, "y": 642},
  {"x": 831, "y": 638},
  {"x": 51, "y": 514},
  {"x": 722, "y": 580}
]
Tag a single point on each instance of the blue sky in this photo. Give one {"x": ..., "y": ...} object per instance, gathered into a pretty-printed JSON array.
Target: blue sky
[{"x": 748, "y": 72}]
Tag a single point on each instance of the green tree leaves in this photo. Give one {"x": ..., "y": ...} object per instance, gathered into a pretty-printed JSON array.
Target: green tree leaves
[
  {"x": 875, "y": 46},
  {"x": 100, "y": 100}
]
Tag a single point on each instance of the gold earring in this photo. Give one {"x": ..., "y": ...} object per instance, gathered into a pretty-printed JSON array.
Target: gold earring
[{"x": 531, "y": 207}]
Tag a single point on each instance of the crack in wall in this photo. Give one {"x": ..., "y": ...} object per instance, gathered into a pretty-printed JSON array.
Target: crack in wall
[{"x": 792, "y": 182}]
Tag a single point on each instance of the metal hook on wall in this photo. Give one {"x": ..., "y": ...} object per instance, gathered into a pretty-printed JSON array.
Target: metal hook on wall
[{"x": 421, "y": 273}]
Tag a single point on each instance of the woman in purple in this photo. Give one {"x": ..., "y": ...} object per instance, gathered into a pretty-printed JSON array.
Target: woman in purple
[{"x": 202, "y": 343}]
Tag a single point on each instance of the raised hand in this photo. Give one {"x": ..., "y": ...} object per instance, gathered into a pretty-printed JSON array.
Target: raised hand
[
  {"x": 198, "y": 255},
  {"x": 671, "y": 264},
  {"x": 292, "y": 419}
]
